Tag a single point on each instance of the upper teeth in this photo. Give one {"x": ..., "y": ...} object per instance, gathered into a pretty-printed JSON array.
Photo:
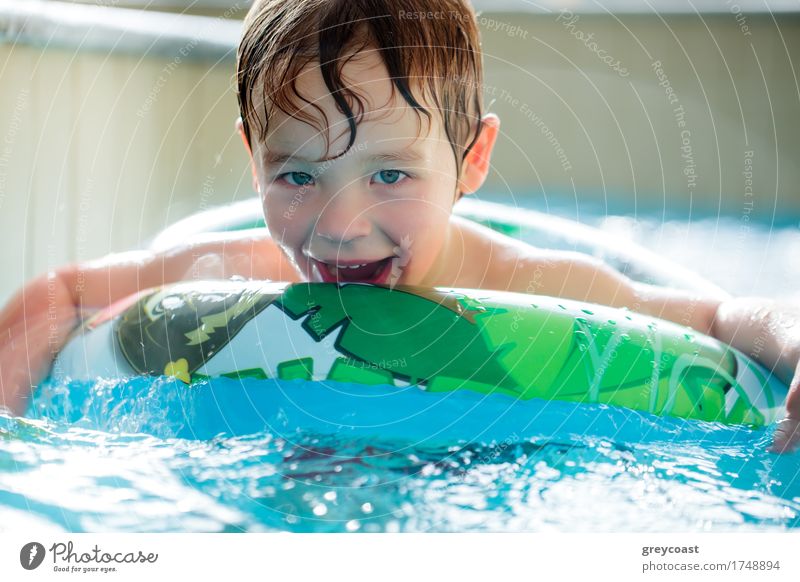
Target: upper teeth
[{"x": 332, "y": 268}]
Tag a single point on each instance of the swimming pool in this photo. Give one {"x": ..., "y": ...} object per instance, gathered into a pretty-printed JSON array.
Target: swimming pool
[{"x": 111, "y": 457}]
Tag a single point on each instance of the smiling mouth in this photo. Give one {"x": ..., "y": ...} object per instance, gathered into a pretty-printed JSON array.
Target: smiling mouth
[{"x": 374, "y": 272}]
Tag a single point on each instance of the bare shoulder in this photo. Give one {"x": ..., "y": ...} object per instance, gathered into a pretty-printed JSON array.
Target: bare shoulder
[{"x": 514, "y": 265}]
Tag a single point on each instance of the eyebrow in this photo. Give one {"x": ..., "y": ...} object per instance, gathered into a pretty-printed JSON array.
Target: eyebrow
[{"x": 408, "y": 154}]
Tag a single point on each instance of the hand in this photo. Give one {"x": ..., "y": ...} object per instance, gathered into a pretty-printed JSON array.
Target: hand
[
  {"x": 33, "y": 326},
  {"x": 787, "y": 433},
  {"x": 771, "y": 329}
]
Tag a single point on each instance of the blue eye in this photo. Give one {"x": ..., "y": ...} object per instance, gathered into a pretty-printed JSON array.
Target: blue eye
[
  {"x": 297, "y": 178},
  {"x": 389, "y": 177}
]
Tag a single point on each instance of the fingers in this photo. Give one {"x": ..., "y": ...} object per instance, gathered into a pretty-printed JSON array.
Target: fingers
[
  {"x": 793, "y": 398},
  {"x": 787, "y": 436},
  {"x": 787, "y": 433}
]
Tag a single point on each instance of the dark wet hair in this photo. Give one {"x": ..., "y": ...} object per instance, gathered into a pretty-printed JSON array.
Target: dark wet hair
[{"x": 429, "y": 47}]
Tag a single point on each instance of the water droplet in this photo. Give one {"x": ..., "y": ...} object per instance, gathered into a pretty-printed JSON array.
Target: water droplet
[
  {"x": 561, "y": 306},
  {"x": 612, "y": 322},
  {"x": 330, "y": 496},
  {"x": 320, "y": 509},
  {"x": 352, "y": 525},
  {"x": 688, "y": 337},
  {"x": 587, "y": 312},
  {"x": 366, "y": 508}
]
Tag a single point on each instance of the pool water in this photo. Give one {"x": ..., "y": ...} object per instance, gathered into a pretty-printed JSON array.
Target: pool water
[
  {"x": 147, "y": 455},
  {"x": 144, "y": 455},
  {"x": 743, "y": 256}
]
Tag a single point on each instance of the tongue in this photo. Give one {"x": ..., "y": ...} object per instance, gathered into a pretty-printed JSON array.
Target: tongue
[{"x": 368, "y": 271}]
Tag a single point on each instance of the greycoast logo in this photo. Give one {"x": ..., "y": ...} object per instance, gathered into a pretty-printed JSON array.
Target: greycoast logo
[
  {"x": 66, "y": 559},
  {"x": 31, "y": 555}
]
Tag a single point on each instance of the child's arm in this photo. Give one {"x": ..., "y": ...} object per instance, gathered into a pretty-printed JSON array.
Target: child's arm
[
  {"x": 37, "y": 320},
  {"x": 764, "y": 329}
]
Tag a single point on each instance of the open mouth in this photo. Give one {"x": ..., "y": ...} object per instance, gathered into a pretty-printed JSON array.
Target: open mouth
[{"x": 374, "y": 272}]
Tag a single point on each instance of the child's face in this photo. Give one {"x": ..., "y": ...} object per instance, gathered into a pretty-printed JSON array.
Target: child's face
[{"x": 385, "y": 204}]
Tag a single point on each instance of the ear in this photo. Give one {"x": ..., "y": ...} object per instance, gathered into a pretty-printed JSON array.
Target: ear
[
  {"x": 476, "y": 165},
  {"x": 240, "y": 128}
]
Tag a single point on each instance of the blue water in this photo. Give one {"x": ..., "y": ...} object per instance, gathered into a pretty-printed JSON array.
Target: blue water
[{"x": 230, "y": 455}]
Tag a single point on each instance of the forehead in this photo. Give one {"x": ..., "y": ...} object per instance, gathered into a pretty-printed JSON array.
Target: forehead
[{"x": 386, "y": 119}]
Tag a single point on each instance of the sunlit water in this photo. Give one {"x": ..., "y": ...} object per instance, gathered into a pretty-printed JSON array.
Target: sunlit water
[{"x": 149, "y": 455}]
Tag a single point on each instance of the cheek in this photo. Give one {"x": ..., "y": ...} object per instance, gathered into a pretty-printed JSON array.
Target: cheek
[
  {"x": 413, "y": 214},
  {"x": 285, "y": 218},
  {"x": 420, "y": 226},
  {"x": 426, "y": 204}
]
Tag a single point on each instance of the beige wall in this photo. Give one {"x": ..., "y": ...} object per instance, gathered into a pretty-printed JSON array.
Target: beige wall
[
  {"x": 99, "y": 150},
  {"x": 620, "y": 134},
  {"x": 97, "y": 154}
]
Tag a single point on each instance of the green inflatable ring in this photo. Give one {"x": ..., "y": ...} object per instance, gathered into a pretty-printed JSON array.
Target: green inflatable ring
[{"x": 442, "y": 340}]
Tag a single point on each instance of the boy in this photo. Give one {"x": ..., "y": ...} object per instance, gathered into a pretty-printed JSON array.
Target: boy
[{"x": 364, "y": 126}]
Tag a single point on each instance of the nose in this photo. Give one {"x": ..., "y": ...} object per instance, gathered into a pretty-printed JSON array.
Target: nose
[{"x": 343, "y": 218}]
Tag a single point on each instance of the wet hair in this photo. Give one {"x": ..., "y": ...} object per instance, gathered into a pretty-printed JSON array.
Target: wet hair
[{"x": 430, "y": 48}]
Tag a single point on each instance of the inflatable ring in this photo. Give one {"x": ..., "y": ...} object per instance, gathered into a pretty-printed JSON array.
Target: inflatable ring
[{"x": 440, "y": 340}]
